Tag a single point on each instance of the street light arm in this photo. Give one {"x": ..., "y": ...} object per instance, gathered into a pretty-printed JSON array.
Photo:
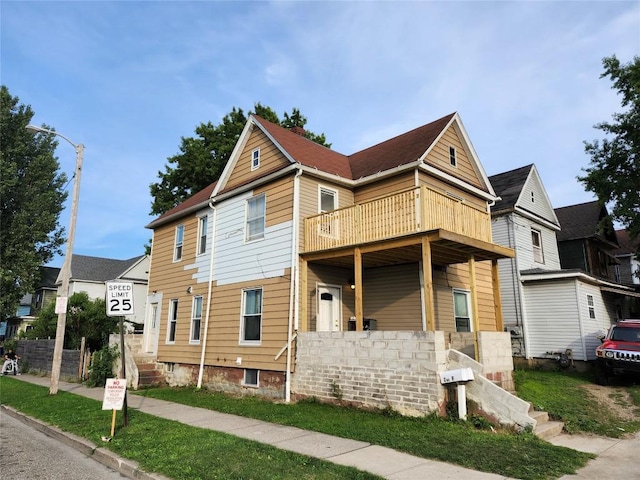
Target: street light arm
[{"x": 35, "y": 128}]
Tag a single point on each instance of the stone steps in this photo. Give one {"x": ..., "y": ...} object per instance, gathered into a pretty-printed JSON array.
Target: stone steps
[
  {"x": 148, "y": 375},
  {"x": 545, "y": 428}
]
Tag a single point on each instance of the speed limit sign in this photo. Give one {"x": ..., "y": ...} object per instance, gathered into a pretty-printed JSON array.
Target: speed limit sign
[{"x": 119, "y": 299}]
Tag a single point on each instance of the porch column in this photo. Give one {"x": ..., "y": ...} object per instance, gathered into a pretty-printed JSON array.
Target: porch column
[
  {"x": 497, "y": 299},
  {"x": 427, "y": 274},
  {"x": 357, "y": 267},
  {"x": 304, "y": 296},
  {"x": 474, "y": 303}
]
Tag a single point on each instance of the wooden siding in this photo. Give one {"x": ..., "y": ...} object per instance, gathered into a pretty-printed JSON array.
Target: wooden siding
[
  {"x": 270, "y": 159},
  {"x": 309, "y": 197},
  {"x": 279, "y": 199},
  {"x": 457, "y": 276},
  {"x": 387, "y": 186},
  {"x": 223, "y": 342},
  {"x": 533, "y": 198},
  {"x": 237, "y": 260},
  {"x": 416, "y": 210},
  {"x": 392, "y": 297},
  {"x": 439, "y": 157}
]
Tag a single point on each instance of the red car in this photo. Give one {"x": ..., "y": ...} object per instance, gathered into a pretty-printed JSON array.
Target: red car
[{"x": 619, "y": 353}]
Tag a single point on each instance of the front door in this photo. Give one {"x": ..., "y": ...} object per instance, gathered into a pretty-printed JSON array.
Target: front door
[
  {"x": 152, "y": 328},
  {"x": 329, "y": 303}
]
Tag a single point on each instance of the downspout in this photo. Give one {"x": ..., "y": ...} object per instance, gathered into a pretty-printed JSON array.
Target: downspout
[
  {"x": 208, "y": 312},
  {"x": 293, "y": 293}
]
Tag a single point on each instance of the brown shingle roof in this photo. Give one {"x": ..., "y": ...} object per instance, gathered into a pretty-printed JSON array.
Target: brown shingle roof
[
  {"x": 583, "y": 221},
  {"x": 627, "y": 247},
  {"x": 195, "y": 201}
]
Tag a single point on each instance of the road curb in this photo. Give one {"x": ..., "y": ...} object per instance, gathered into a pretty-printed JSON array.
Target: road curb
[{"x": 123, "y": 466}]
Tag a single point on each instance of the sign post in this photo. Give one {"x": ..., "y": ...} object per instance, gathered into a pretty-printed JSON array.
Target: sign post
[
  {"x": 114, "y": 395},
  {"x": 119, "y": 303}
]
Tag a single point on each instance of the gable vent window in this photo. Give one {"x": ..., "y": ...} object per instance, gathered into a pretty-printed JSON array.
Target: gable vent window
[
  {"x": 533, "y": 197},
  {"x": 255, "y": 159},
  {"x": 452, "y": 156}
]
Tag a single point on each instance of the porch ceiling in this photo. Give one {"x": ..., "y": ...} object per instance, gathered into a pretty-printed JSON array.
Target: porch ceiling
[{"x": 446, "y": 248}]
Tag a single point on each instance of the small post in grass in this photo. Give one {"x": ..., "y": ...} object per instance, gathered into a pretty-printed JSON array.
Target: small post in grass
[{"x": 114, "y": 394}]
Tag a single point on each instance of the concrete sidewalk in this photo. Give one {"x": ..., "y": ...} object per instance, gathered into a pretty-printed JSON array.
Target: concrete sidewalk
[{"x": 618, "y": 455}]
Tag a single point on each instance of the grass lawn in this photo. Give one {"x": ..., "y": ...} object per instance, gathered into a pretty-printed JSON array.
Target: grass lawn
[
  {"x": 175, "y": 450},
  {"x": 569, "y": 397},
  {"x": 514, "y": 455}
]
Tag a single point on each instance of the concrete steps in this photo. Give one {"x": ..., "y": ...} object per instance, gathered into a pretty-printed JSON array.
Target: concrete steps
[
  {"x": 148, "y": 375},
  {"x": 545, "y": 428}
]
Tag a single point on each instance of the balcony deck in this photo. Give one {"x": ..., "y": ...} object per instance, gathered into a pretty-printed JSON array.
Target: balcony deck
[{"x": 417, "y": 210}]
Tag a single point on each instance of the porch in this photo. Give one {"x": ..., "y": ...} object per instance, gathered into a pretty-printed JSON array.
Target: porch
[{"x": 419, "y": 226}]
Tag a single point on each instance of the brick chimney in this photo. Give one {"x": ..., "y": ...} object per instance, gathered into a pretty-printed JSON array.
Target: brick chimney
[{"x": 298, "y": 131}]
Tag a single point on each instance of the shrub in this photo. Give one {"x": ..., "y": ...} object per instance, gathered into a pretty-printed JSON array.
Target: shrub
[{"x": 102, "y": 366}]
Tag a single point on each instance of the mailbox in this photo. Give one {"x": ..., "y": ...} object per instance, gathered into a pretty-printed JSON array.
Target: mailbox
[{"x": 455, "y": 376}]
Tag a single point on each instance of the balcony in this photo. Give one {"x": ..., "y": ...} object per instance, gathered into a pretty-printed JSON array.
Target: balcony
[{"x": 408, "y": 212}]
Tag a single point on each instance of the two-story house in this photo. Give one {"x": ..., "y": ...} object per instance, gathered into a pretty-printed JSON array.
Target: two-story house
[
  {"x": 627, "y": 271},
  {"x": 557, "y": 294},
  {"x": 302, "y": 270}
]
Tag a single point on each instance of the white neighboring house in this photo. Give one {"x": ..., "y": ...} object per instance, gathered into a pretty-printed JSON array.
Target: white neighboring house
[
  {"x": 547, "y": 308},
  {"x": 628, "y": 271},
  {"x": 89, "y": 274}
]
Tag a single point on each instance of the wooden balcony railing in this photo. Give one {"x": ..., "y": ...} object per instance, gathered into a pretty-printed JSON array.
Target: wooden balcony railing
[{"x": 411, "y": 211}]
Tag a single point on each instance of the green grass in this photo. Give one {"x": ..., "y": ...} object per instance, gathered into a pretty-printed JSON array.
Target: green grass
[
  {"x": 515, "y": 455},
  {"x": 163, "y": 446},
  {"x": 563, "y": 396}
]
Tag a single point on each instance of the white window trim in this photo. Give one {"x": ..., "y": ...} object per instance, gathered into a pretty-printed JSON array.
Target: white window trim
[
  {"x": 242, "y": 341},
  {"x": 255, "y": 164},
  {"x": 173, "y": 312},
  {"x": 177, "y": 244},
  {"x": 453, "y": 155},
  {"x": 193, "y": 341},
  {"x": 199, "y": 243},
  {"x": 538, "y": 252},
  {"x": 335, "y": 197},
  {"x": 591, "y": 307},
  {"x": 467, "y": 294},
  {"x": 246, "y": 219}
]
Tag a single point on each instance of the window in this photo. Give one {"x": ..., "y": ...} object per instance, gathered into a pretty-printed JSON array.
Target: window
[
  {"x": 461, "y": 311},
  {"x": 452, "y": 156},
  {"x": 173, "y": 320},
  {"x": 255, "y": 218},
  {"x": 177, "y": 252},
  {"x": 602, "y": 261},
  {"x": 196, "y": 320},
  {"x": 533, "y": 197},
  {"x": 251, "y": 325},
  {"x": 203, "y": 225},
  {"x": 255, "y": 159},
  {"x": 536, "y": 242},
  {"x": 327, "y": 201},
  {"x": 591, "y": 306},
  {"x": 251, "y": 377}
]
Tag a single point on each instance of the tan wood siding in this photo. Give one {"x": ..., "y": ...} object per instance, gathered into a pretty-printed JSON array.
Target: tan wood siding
[
  {"x": 279, "y": 200},
  {"x": 392, "y": 297},
  {"x": 439, "y": 157},
  {"x": 388, "y": 186},
  {"x": 270, "y": 159},
  {"x": 458, "y": 277},
  {"x": 443, "y": 187}
]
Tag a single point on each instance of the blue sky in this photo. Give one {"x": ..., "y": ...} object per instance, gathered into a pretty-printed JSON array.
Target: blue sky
[{"x": 129, "y": 79}]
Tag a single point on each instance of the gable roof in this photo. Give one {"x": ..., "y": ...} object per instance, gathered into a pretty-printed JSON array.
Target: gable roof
[
  {"x": 195, "y": 202},
  {"x": 48, "y": 276},
  {"x": 508, "y": 186},
  {"x": 97, "y": 269},
  {"x": 627, "y": 247},
  {"x": 583, "y": 221},
  {"x": 405, "y": 149}
]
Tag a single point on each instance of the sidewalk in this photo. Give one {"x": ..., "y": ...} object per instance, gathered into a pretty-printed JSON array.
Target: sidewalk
[
  {"x": 375, "y": 459},
  {"x": 616, "y": 458}
]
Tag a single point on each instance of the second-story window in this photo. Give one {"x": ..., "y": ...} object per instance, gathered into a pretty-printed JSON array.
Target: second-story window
[
  {"x": 591, "y": 306},
  {"x": 256, "y": 208},
  {"x": 452, "y": 156},
  {"x": 203, "y": 224},
  {"x": 255, "y": 159},
  {"x": 536, "y": 242},
  {"x": 177, "y": 252},
  {"x": 328, "y": 199}
]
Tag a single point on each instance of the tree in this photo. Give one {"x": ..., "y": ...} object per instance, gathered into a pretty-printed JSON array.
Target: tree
[
  {"x": 85, "y": 318},
  {"x": 203, "y": 158},
  {"x": 32, "y": 195},
  {"x": 614, "y": 173}
]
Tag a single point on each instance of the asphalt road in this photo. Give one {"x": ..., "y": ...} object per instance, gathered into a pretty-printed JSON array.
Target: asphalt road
[{"x": 28, "y": 454}]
